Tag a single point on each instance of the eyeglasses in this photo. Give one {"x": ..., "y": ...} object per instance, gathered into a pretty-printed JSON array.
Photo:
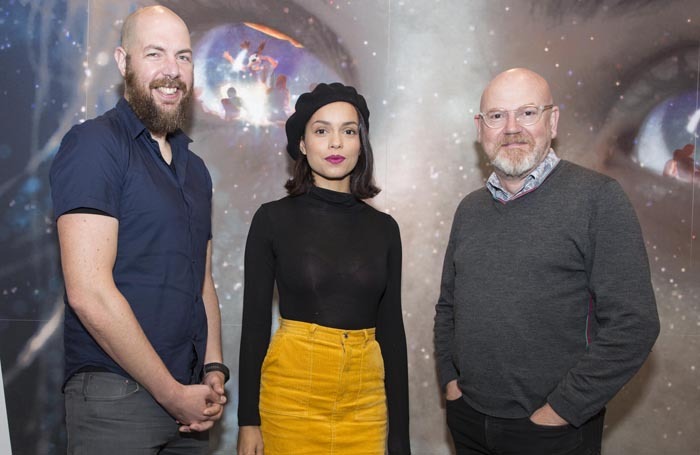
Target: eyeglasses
[{"x": 524, "y": 115}]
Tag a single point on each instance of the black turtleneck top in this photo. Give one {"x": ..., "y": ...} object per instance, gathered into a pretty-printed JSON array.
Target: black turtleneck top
[{"x": 337, "y": 263}]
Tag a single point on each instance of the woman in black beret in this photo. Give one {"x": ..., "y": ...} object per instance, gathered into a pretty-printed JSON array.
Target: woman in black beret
[{"x": 333, "y": 379}]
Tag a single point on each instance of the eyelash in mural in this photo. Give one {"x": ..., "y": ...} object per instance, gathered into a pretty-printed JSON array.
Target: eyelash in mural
[{"x": 650, "y": 118}]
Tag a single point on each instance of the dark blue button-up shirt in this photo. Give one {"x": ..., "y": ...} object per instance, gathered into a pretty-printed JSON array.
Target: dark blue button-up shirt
[{"x": 112, "y": 164}]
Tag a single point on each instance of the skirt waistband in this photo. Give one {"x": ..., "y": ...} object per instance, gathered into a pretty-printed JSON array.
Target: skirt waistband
[{"x": 331, "y": 334}]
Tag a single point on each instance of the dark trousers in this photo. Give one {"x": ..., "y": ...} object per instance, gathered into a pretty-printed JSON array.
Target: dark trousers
[
  {"x": 476, "y": 433},
  {"x": 108, "y": 414}
]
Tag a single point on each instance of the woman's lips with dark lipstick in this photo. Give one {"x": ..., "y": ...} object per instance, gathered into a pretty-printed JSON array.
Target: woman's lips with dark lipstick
[{"x": 335, "y": 159}]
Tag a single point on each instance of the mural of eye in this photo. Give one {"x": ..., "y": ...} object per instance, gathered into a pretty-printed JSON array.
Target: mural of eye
[
  {"x": 654, "y": 121},
  {"x": 670, "y": 126},
  {"x": 253, "y": 73}
]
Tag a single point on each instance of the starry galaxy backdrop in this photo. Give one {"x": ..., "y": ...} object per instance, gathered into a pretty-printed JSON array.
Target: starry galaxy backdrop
[{"x": 624, "y": 73}]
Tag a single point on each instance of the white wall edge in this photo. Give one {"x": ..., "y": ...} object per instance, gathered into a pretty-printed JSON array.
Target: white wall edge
[{"x": 5, "y": 446}]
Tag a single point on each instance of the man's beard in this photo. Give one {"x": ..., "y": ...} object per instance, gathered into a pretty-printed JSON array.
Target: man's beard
[
  {"x": 516, "y": 163},
  {"x": 158, "y": 121}
]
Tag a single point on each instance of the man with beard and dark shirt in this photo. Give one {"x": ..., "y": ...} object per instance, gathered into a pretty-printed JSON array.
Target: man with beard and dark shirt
[
  {"x": 142, "y": 327},
  {"x": 546, "y": 307}
]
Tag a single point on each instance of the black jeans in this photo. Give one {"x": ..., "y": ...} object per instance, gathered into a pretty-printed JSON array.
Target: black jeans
[
  {"x": 476, "y": 433},
  {"x": 107, "y": 414}
]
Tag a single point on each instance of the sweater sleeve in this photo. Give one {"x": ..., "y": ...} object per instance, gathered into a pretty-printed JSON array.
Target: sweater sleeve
[
  {"x": 625, "y": 310},
  {"x": 392, "y": 340},
  {"x": 444, "y": 327},
  {"x": 259, "y": 277}
]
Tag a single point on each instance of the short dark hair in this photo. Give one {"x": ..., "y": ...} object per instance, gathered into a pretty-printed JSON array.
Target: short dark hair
[{"x": 361, "y": 178}]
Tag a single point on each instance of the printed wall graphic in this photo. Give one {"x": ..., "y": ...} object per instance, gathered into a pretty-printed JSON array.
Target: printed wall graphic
[{"x": 624, "y": 74}]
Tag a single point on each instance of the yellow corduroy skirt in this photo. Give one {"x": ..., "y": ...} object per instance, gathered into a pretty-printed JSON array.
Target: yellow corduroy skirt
[{"x": 322, "y": 392}]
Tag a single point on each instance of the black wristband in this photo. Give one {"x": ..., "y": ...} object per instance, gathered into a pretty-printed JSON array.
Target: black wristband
[{"x": 220, "y": 367}]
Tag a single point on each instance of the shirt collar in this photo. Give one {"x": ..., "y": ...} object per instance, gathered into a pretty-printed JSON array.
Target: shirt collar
[
  {"x": 135, "y": 126},
  {"x": 532, "y": 181}
]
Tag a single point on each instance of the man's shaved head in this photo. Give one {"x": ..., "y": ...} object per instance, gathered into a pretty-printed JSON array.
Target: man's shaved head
[
  {"x": 516, "y": 78},
  {"x": 130, "y": 26}
]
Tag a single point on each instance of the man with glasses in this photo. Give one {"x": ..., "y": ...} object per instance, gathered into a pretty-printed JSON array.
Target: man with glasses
[{"x": 546, "y": 307}]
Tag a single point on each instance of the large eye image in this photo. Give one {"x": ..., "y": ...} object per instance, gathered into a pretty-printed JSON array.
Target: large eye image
[{"x": 654, "y": 120}]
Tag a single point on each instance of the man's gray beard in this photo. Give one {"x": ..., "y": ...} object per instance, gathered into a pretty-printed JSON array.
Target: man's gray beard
[
  {"x": 515, "y": 169},
  {"x": 157, "y": 121}
]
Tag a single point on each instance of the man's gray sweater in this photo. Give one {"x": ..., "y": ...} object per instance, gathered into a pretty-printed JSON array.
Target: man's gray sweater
[{"x": 546, "y": 298}]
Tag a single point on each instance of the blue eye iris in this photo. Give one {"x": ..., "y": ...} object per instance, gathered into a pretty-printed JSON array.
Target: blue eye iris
[{"x": 669, "y": 126}]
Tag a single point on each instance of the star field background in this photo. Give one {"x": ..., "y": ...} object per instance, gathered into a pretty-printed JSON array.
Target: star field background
[{"x": 624, "y": 73}]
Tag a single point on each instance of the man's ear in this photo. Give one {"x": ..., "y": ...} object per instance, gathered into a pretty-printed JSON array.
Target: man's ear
[
  {"x": 120, "y": 57},
  {"x": 477, "y": 124},
  {"x": 554, "y": 121}
]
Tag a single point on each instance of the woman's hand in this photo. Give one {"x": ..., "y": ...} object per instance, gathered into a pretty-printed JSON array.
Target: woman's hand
[{"x": 250, "y": 440}]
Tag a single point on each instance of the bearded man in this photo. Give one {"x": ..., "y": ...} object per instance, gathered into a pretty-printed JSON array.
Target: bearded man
[
  {"x": 142, "y": 333},
  {"x": 546, "y": 307}
]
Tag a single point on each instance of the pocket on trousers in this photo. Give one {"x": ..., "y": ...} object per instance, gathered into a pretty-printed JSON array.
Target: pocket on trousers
[
  {"x": 555, "y": 439},
  {"x": 371, "y": 397},
  {"x": 108, "y": 387},
  {"x": 549, "y": 427},
  {"x": 285, "y": 381},
  {"x": 455, "y": 401},
  {"x": 455, "y": 411}
]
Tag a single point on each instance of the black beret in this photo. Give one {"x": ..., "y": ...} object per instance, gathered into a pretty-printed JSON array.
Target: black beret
[{"x": 310, "y": 102}]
